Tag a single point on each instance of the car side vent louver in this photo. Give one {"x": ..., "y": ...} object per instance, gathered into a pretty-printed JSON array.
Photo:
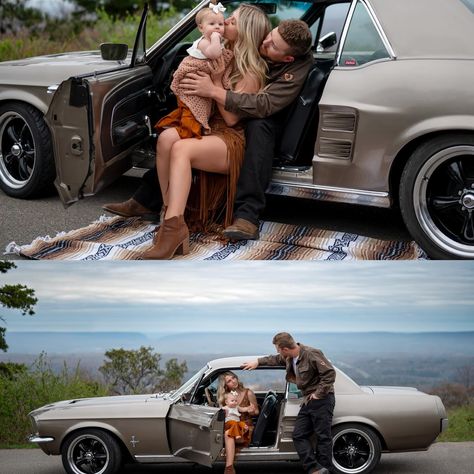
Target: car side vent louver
[
  {"x": 335, "y": 148},
  {"x": 338, "y": 122}
]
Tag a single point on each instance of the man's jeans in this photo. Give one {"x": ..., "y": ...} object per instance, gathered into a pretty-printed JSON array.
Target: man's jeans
[
  {"x": 315, "y": 418},
  {"x": 261, "y": 136},
  {"x": 148, "y": 194}
]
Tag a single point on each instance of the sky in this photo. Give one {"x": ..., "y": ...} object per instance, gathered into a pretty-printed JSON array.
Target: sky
[
  {"x": 183, "y": 297},
  {"x": 52, "y": 7}
]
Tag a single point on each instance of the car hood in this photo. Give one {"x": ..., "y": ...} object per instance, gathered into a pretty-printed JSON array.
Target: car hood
[
  {"x": 54, "y": 68},
  {"x": 104, "y": 406}
]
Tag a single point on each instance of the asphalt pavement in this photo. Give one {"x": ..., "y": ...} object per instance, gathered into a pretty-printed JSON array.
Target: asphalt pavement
[
  {"x": 441, "y": 458},
  {"x": 23, "y": 220}
]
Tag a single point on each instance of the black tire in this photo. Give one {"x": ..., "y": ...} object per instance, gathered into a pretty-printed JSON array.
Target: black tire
[
  {"x": 437, "y": 196},
  {"x": 356, "y": 449},
  {"x": 91, "y": 451},
  {"x": 27, "y": 167}
]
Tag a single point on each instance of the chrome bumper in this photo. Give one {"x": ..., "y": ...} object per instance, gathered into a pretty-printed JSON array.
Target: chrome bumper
[{"x": 39, "y": 439}]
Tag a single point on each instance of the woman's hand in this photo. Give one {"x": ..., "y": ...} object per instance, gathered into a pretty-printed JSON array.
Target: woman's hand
[{"x": 251, "y": 409}]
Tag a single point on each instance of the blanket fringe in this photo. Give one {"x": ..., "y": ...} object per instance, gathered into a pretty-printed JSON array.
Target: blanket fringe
[{"x": 12, "y": 249}]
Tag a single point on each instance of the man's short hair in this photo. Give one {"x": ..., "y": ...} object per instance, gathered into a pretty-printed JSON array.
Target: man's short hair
[
  {"x": 298, "y": 36},
  {"x": 284, "y": 340}
]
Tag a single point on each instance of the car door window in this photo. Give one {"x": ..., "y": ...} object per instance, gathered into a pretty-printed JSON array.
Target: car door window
[
  {"x": 326, "y": 30},
  {"x": 469, "y": 4},
  {"x": 363, "y": 43}
]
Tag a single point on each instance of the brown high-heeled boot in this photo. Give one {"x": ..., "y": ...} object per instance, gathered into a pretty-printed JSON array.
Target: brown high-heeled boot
[
  {"x": 159, "y": 226},
  {"x": 172, "y": 238}
]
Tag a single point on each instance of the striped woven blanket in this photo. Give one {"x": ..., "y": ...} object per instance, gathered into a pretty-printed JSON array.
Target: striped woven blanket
[{"x": 118, "y": 238}]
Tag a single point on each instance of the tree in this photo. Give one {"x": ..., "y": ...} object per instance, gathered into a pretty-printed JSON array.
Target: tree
[
  {"x": 121, "y": 8},
  {"x": 14, "y": 297},
  {"x": 138, "y": 371},
  {"x": 173, "y": 376},
  {"x": 14, "y": 14}
]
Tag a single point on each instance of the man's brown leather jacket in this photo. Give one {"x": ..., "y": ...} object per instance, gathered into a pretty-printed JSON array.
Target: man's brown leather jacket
[{"x": 315, "y": 374}]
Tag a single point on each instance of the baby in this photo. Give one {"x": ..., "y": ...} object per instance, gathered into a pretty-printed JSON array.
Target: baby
[
  {"x": 233, "y": 426},
  {"x": 192, "y": 114}
]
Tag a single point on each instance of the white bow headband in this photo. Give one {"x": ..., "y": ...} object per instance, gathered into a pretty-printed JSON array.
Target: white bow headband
[{"x": 217, "y": 8}]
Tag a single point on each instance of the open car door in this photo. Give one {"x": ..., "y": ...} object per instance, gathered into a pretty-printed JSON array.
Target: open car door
[
  {"x": 196, "y": 432},
  {"x": 96, "y": 121}
]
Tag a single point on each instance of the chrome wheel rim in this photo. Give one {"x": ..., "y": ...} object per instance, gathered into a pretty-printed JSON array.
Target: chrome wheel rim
[
  {"x": 88, "y": 454},
  {"x": 352, "y": 451},
  {"x": 17, "y": 150},
  {"x": 443, "y": 199}
]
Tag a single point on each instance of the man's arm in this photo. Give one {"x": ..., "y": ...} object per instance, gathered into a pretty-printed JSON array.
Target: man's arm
[
  {"x": 275, "y": 97},
  {"x": 275, "y": 360}
]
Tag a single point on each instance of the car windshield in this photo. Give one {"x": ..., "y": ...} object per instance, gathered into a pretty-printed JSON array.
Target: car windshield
[{"x": 188, "y": 387}]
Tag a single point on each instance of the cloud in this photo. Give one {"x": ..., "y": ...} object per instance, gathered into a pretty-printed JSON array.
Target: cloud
[{"x": 347, "y": 292}]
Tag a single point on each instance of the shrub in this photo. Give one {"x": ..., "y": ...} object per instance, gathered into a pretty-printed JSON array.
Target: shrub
[
  {"x": 452, "y": 394},
  {"x": 24, "y": 391},
  {"x": 74, "y": 36}
]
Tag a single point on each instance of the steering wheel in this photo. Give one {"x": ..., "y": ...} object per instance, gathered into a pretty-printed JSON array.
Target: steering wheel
[{"x": 210, "y": 397}]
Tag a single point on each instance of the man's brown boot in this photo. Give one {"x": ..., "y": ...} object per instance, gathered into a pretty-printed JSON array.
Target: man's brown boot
[
  {"x": 172, "y": 238},
  {"x": 130, "y": 208},
  {"x": 241, "y": 229}
]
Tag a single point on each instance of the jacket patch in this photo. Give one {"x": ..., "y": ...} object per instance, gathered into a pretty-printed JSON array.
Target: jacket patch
[{"x": 288, "y": 76}]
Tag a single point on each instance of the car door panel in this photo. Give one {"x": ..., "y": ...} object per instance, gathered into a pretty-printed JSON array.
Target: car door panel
[
  {"x": 96, "y": 121},
  {"x": 196, "y": 432}
]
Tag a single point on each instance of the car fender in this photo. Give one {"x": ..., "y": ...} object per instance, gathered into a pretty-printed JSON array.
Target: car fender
[
  {"x": 9, "y": 95},
  {"x": 92, "y": 424},
  {"x": 340, "y": 420},
  {"x": 431, "y": 126}
]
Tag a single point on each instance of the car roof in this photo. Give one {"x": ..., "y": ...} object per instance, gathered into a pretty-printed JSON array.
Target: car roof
[
  {"x": 427, "y": 28},
  {"x": 344, "y": 383},
  {"x": 231, "y": 362}
]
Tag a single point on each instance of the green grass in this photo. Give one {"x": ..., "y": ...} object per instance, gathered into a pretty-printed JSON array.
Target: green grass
[
  {"x": 461, "y": 424},
  {"x": 59, "y": 38}
]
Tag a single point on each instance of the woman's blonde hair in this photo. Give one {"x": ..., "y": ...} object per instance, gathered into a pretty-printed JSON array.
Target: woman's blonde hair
[
  {"x": 252, "y": 26},
  {"x": 222, "y": 388}
]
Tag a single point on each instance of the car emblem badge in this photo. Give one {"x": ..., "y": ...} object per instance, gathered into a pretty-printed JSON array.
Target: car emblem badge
[{"x": 134, "y": 441}]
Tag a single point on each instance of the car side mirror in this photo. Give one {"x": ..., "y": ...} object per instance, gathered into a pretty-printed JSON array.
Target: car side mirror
[
  {"x": 113, "y": 51},
  {"x": 326, "y": 41}
]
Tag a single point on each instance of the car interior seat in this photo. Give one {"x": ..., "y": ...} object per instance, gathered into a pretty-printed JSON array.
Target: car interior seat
[
  {"x": 265, "y": 419},
  {"x": 299, "y": 131}
]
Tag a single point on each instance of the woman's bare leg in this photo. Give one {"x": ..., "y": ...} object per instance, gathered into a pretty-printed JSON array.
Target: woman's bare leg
[
  {"x": 166, "y": 140},
  {"x": 229, "y": 450},
  {"x": 207, "y": 154}
]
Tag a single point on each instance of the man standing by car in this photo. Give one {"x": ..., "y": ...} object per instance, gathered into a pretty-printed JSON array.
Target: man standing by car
[
  {"x": 287, "y": 51},
  {"x": 314, "y": 376}
]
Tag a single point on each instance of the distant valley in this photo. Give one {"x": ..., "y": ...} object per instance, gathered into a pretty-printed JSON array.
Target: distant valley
[{"x": 422, "y": 360}]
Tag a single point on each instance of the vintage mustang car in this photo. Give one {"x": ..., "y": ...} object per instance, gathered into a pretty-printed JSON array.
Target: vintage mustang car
[
  {"x": 386, "y": 117},
  {"x": 95, "y": 435}
]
